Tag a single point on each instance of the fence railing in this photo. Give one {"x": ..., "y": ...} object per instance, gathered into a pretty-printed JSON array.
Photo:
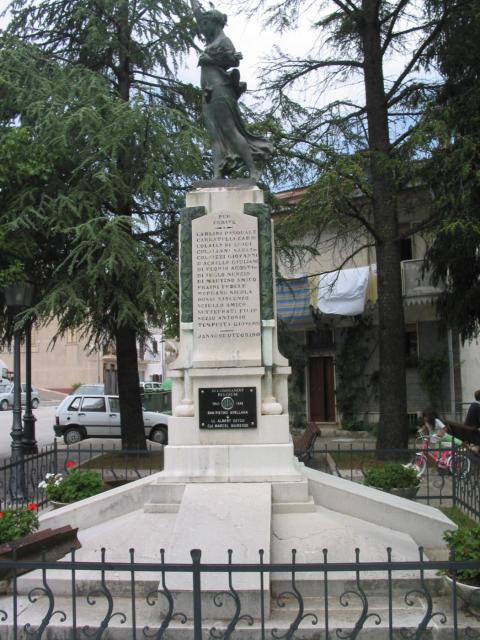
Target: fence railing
[
  {"x": 452, "y": 480},
  {"x": 439, "y": 486},
  {"x": 323, "y": 599},
  {"x": 115, "y": 465}
]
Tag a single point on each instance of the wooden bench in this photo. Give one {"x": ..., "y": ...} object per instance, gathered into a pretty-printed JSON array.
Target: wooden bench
[{"x": 303, "y": 445}]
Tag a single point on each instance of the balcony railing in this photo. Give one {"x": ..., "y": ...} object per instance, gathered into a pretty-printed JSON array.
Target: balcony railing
[{"x": 416, "y": 283}]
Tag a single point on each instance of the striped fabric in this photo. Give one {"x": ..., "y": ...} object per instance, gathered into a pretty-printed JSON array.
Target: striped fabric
[{"x": 293, "y": 302}]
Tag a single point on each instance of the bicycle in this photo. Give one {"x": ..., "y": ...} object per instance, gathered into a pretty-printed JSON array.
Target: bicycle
[{"x": 445, "y": 459}]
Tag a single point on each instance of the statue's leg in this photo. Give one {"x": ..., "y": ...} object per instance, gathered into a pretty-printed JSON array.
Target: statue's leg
[
  {"x": 243, "y": 150},
  {"x": 217, "y": 158}
]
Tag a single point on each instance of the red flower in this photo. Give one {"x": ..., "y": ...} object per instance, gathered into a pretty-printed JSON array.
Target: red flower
[
  {"x": 32, "y": 506},
  {"x": 2, "y": 514},
  {"x": 70, "y": 464}
]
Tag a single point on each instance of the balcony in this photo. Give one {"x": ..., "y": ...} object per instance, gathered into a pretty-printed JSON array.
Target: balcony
[{"x": 416, "y": 284}]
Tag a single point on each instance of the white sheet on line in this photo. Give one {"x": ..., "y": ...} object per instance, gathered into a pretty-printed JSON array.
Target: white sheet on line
[{"x": 343, "y": 292}]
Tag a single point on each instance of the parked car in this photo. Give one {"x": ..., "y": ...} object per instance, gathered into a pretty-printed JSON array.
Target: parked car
[
  {"x": 150, "y": 386},
  {"x": 6, "y": 396},
  {"x": 98, "y": 416},
  {"x": 90, "y": 390}
]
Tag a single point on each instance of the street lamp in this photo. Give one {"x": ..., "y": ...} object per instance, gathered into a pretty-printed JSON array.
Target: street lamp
[{"x": 17, "y": 298}]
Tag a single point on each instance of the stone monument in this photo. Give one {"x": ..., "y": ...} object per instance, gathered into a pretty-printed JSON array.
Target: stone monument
[
  {"x": 229, "y": 395},
  {"x": 230, "y": 479}
]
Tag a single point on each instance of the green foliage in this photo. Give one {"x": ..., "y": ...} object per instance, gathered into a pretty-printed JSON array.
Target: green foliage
[
  {"x": 294, "y": 349},
  {"x": 353, "y": 386},
  {"x": 466, "y": 542},
  {"x": 392, "y": 475},
  {"x": 76, "y": 485},
  {"x": 16, "y": 523},
  {"x": 431, "y": 371},
  {"x": 453, "y": 170}
]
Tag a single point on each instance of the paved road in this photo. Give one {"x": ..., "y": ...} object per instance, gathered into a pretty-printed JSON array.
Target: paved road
[{"x": 44, "y": 433}]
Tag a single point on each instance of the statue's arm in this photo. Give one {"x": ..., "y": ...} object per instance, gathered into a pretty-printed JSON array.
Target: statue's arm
[{"x": 223, "y": 55}]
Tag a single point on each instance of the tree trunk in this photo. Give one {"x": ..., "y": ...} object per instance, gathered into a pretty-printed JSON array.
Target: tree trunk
[
  {"x": 132, "y": 427},
  {"x": 393, "y": 431},
  {"x": 133, "y": 432}
]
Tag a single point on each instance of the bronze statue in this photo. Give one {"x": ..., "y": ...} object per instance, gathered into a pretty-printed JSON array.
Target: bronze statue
[{"x": 232, "y": 145}]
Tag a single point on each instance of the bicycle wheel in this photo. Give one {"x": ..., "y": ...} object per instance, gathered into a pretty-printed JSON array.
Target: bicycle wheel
[
  {"x": 418, "y": 463},
  {"x": 459, "y": 464}
]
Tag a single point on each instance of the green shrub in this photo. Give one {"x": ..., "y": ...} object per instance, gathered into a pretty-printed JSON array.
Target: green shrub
[
  {"x": 16, "y": 523},
  {"x": 76, "y": 485},
  {"x": 392, "y": 475},
  {"x": 466, "y": 542}
]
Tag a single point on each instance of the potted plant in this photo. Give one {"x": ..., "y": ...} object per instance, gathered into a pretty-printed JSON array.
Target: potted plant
[
  {"x": 465, "y": 543},
  {"x": 394, "y": 478},
  {"x": 77, "y": 484},
  {"x": 19, "y": 535},
  {"x": 19, "y": 522}
]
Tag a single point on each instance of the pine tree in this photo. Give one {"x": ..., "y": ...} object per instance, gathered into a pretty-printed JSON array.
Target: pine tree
[
  {"x": 358, "y": 154},
  {"x": 453, "y": 169},
  {"x": 119, "y": 203}
]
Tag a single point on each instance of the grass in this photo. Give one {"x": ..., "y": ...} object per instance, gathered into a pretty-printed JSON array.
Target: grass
[
  {"x": 460, "y": 518},
  {"x": 358, "y": 459}
]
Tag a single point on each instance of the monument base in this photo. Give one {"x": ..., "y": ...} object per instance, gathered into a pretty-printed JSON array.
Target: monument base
[{"x": 231, "y": 463}]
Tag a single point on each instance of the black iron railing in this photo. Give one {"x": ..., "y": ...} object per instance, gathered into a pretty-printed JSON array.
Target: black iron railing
[
  {"x": 444, "y": 480},
  {"x": 115, "y": 465},
  {"x": 133, "y": 600},
  {"x": 453, "y": 485}
]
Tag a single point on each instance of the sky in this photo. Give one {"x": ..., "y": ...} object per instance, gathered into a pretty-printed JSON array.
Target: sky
[
  {"x": 257, "y": 43},
  {"x": 248, "y": 36}
]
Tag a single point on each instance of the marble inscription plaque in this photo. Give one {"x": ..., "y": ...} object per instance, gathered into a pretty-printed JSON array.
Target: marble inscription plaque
[
  {"x": 228, "y": 408},
  {"x": 226, "y": 290}
]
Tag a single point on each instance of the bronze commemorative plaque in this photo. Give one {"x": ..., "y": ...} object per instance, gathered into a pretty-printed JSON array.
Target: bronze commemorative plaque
[{"x": 228, "y": 407}]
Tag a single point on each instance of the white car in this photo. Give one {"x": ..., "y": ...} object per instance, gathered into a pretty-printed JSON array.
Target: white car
[
  {"x": 6, "y": 396},
  {"x": 98, "y": 416}
]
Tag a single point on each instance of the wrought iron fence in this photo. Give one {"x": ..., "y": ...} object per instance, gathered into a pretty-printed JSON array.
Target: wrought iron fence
[
  {"x": 323, "y": 600},
  {"x": 115, "y": 465},
  {"x": 450, "y": 481}
]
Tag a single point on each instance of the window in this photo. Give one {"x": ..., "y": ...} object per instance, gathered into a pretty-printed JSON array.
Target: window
[
  {"x": 154, "y": 347},
  {"x": 75, "y": 405},
  {"x": 93, "y": 404},
  {"x": 114, "y": 405},
  {"x": 411, "y": 345},
  {"x": 406, "y": 249}
]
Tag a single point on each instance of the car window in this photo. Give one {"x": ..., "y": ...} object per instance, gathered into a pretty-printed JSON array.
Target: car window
[
  {"x": 94, "y": 404},
  {"x": 4, "y": 388},
  {"x": 74, "y": 405},
  {"x": 114, "y": 405}
]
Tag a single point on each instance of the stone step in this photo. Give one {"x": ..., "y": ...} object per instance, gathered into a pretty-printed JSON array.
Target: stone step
[
  {"x": 307, "y": 506},
  {"x": 341, "y": 619},
  {"x": 167, "y": 491},
  {"x": 166, "y": 497},
  {"x": 290, "y": 491}
]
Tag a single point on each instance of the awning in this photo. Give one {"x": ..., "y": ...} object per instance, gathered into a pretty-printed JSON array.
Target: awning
[{"x": 293, "y": 302}]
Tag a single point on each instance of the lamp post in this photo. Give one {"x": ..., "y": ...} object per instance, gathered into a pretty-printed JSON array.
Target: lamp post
[
  {"x": 17, "y": 297},
  {"x": 29, "y": 442}
]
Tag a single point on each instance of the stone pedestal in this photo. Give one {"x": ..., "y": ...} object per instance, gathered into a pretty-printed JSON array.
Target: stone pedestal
[{"x": 229, "y": 392}]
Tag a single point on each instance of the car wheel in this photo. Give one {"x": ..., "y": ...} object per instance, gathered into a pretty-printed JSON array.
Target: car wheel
[
  {"x": 159, "y": 435},
  {"x": 4, "y": 405},
  {"x": 35, "y": 403},
  {"x": 72, "y": 436}
]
